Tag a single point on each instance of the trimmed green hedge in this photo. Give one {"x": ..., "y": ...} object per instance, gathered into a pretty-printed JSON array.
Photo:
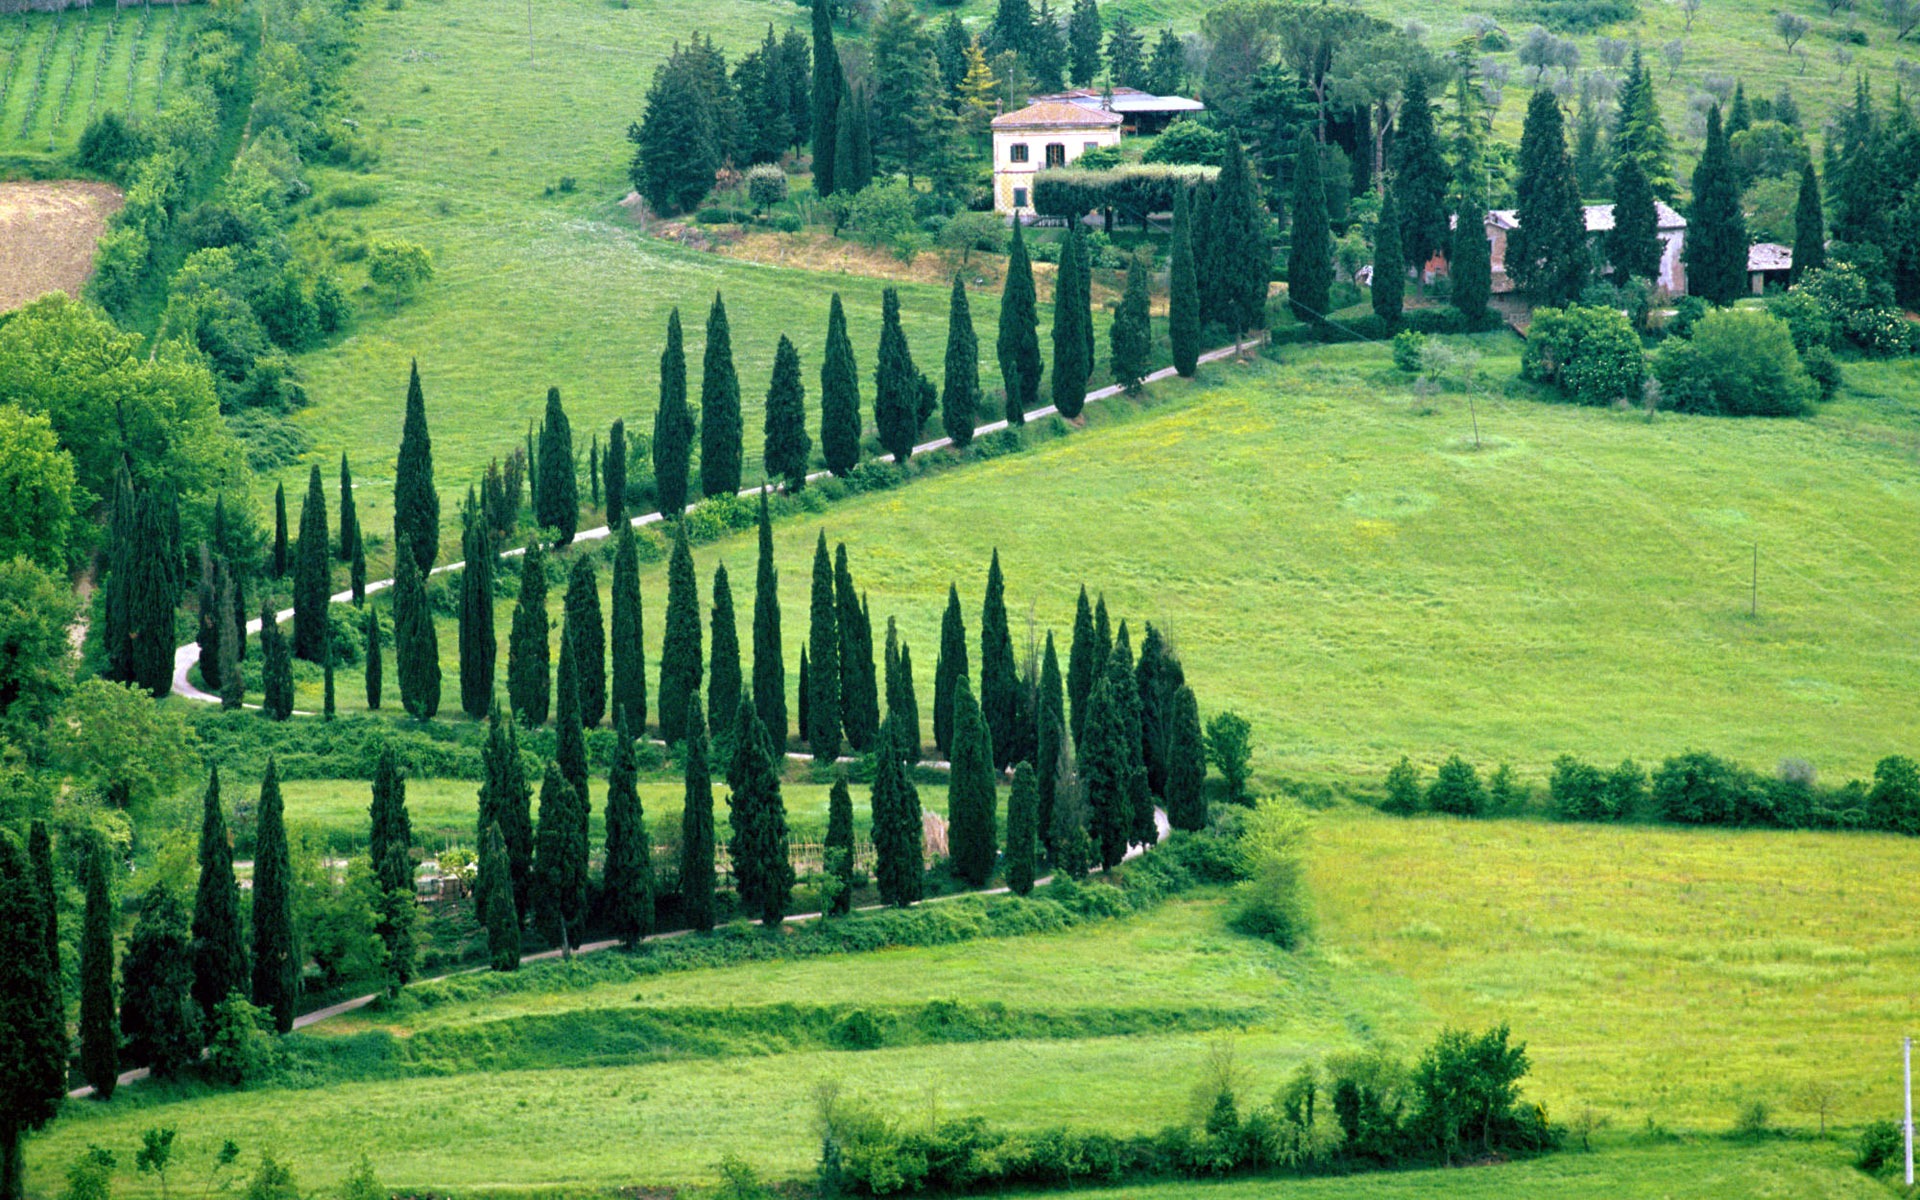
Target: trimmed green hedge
[{"x": 1133, "y": 191}]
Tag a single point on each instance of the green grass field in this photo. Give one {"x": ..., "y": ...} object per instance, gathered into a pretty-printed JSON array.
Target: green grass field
[{"x": 60, "y": 70}]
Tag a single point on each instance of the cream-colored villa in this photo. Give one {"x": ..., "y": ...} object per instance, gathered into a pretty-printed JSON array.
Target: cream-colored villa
[{"x": 1053, "y": 131}]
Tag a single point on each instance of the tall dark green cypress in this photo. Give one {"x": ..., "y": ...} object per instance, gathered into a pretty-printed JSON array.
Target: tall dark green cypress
[
  {"x": 158, "y": 1018},
  {"x": 569, "y": 734},
  {"x": 1206, "y": 259},
  {"x": 281, "y": 559},
  {"x": 1023, "y": 850},
  {"x": 627, "y": 883},
  {"x": 839, "y": 395},
  {"x": 1809, "y": 226},
  {"x": 1632, "y": 246},
  {"x": 909, "y": 732},
  {"x": 1103, "y": 759},
  {"x": 478, "y": 643},
  {"x": 142, "y": 591},
  {"x": 559, "y": 507},
  {"x": 1716, "y": 247},
  {"x": 33, "y": 1027},
  {"x": 1547, "y": 254},
  {"x": 507, "y": 801},
  {"x": 357, "y": 567},
  {"x": 896, "y": 384},
  {"x": 972, "y": 838},
  {"x": 723, "y": 670},
  {"x": 787, "y": 445},
  {"x": 1102, "y": 635},
  {"x": 1072, "y": 361},
  {"x": 762, "y": 870},
  {"x": 1183, "y": 296},
  {"x": 1131, "y": 335},
  {"x": 416, "y": 646},
  {"x": 99, "y": 1024},
  {"x": 589, "y": 640},
  {"x": 1470, "y": 265},
  {"x": 680, "y": 647},
  {"x": 853, "y": 144},
  {"x": 1159, "y": 674},
  {"x": 769, "y": 663},
  {"x": 416, "y": 505},
  {"x": 389, "y": 827},
  {"x": 827, "y": 83},
  {"x": 1051, "y": 716},
  {"x": 839, "y": 850},
  {"x": 349, "y": 514},
  {"x": 999, "y": 677},
  {"x": 373, "y": 666},
  {"x": 529, "y": 670},
  {"x": 326, "y": 681},
  {"x": 960, "y": 386},
  {"x": 672, "y": 427},
  {"x": 899, "y": 869},
  {"x": 696, "y": 824},
  {"x": 1083, "y": 664},
  {"x": 1186, "y": 765},
  {"x": 593, "y": 472},
  {"x": 859, "y": 695},
  {"x": 948, "y": 668},
  {"x": 276, "y": 669},
  {"x": 560, "y": 870},
  {"x": 232, "y": 635},
  {"x": 805, "y": 694},
  {"x": 219, "y": 938},
  {"x": 1240, "y": 240},
  {"x": 1389, "y": 285},
  {"x": 1018, "y": 343},
  {"x": 613, "y": 475},
  {"x": 1310, "y": 260},
  {"x": 209, "y": 615},
  {"x": 720, "y": 428},
  {"x": 627, "y": 633},
  {"x": 493, "y": 901},
  {"x": 276, "y": 952},
  {"x": 1420, "y": 176},
  {"x": 1139, "y": 810},
  {"x": 823, "y": 663},
  {"x": 47, "y": 928}
]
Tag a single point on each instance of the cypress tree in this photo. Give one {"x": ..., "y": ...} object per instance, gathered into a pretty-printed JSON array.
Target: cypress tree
[
  {"x": 1310, "y": 261},
  {"x": 627, "y": 640},
  {"x": 395, "y": 915},
  {"x": 142, "y": 588},
  {"x": 787, "y": 445},
  {"x": 1389, "y": 264},
  {"x": 326, "y": 682},
  {"x": 219, "y": 940},
  {"x": 1131, "y": 335},
  {"x": 1716, "y": 246},
  {"x": 1083, "y": 664},
  {"x": 839, "y": 851},
  {"x": 559, "y": 506},
  {"x": 1632, "y": 246},
  {"x": 859, "y": 690},
  {"x": 389, "y": 828},
  {"x": 672, "y": 427},
  {"x": 1206, "y": 261},
  {"x": 239, "y": 605},
  {"x": 696, "y": 825},
  {"x": 529, "y": 677},
  {"x": 478, "y": 645},
  {"x": 899, "y": 867},
  {"x": 416, "y": 506},
  {"x": 769, "y": 665},
  {"x": 1022, "y": 823},
  {"x": 948, "y": 668},
  {"x": 999, "y": 677},
  {"x": 532, "y": 458},
  {"x": 493, "y": 900},
  {"x": 805, "y": 693},
  {"x": 1051, "y": 718},
  {"x": 281, "y": 561},
  {"x": 1158, "y": 675},
  {"x": 1141, "y": 828},
  {"x": 1018, "y": 344},
  {"x": 47, "y": 928},
  {"x": 839, "y": 395},
  {"x": 1072, "y": 362},
  {"x": 99, "y": 1027},
  {"x": 570, "y": 737},
  {"x": 614, "y": 473},
  {"x": 582, "y": 608},
  {"x": 1186, "y": 765},
  {"x": 560, "y": 871},
  {"x": 896, "y": 385},
  {"x": 276, "y": 669},
  {"x": 1809, "y": 226},
  {"x": 593, "y": 472},
  {"x": 971, "y": 798},
  {"x": 233, "y": 676},
  {"x": 373, "y": 659},
  {"x": 762, "y": 871},
  {"x": 680, "y": 648},
  {"x": 1183, "y": 294},
  {"x": 208, "y": 616},
  {"x": 627, "y": 884},
  {"x": 507, "y": 801},
  {"x": 1102, "y": 636},
  {"x": 1240, "y": 242},
  {"x": 822, "y": 717},
  {"x": 1420, "y": 177},
  {"x": 827, "y": 84},
  {"x": 416, "y": 646},
  {"x": 909, "y": 726},
  {"x": 276, "y": 953},
  {"x": 853, "y": 142},
  {"x": 1104, "y": 755},
  {"x": 960, "y": 386},
  {"x": 158, "y": 1018},
  {"x": 720, "y": 429},
  {"x": 349, "y": 514},
  {"x": 1470, "y": 266},
  {"x": 357, "y": 567},
  {"x": 1640, "y": 133},
  {"x": 723, "y": 676},
  {"x": 33, "y": 1029},
  {"x": 1547, "y": 254}
]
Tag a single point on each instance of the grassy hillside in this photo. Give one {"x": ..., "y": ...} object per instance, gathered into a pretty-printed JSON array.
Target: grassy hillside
[{"x": 59, "y": 70}]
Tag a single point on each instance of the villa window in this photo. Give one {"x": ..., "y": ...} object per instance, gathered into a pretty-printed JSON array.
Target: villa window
[
  {"x": 1056, "y": 155},
  {"x": 1019, "y": 197},
  {"x": 1017, "y": 152}
]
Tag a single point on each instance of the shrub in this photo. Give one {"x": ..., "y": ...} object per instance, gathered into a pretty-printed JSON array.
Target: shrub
[
  {"x": 720, "y": 215},
  {"x": 971, "y": 231},
  {"x": 1188, "y": 141},
  {"x": 1879, "y": 1145},
  {"x": 1132, "y": 190},
  {"x": 1696, "y": 788},
  {"x": 1754, "y": 1120},
  {"x": 1457, "y": 789},
  {"x": 1100, "y": 158},
  {"x": 766, "y": 186},
  {"x": 1369, "y": 1094},
  {"x": 1578, "y": 16},
  {"x": 1407, "y": 347},
  {"x": 1505, "y": 791},
  {"x": 1590, "y": 353},
  {"x": 1687, "y": 311},
  {"x": 1403, "y": 788},
  {"x": 1466, "y": 1098},
  {"x": 239, "y": 1047},
  {"x": 881, "y": 214},
  {"x": 350, "y": 195},
  {"x": 1272, "y": 903},
  {"x": 1230, "y": 750},
  {"x": 1577, "y": 790},
  {"x": 1739, "y": 363},
  {"x": 1894, "y": 802},
  {"x": 1860, "y": 304},
  {"x": 398, "y": 266}
]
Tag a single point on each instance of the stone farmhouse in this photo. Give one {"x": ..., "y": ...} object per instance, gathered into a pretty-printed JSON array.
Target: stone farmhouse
[{"x": 1055, "y": 130}]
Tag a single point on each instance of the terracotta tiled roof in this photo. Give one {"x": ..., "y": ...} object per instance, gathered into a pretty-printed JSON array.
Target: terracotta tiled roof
[{"x": 1056, "y": 114}]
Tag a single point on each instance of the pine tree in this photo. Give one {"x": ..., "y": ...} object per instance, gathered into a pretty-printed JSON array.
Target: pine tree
[
  {"x": 826, "y": 92},
  {"x": 627, "y": 635},
  {"x": 373, "y": 659},
  {"x": 1389, "y": 264},
  {"x": 769, "y": 664},
  {"x": 1022, "y": 824},
  {"x": 560, "y": 870},
  {"x": 33, "y": 1029},
  {"x": 1018, "y": 344},
  {"x": 219, "y": 940},
  {"x": 1084, "y": 662},
  {"x": 680, "y": 648},
  {"x": 971, "y": 798},
  {"x": 696, "y": 825},
  {"x": 1071, "y": 319},
  {"x": 281, "y": 559},
  {"x": 1310, "y": 262},
  {"x": 1716, "y": 247},
  {"x": 1632, "y": 246},
  {"x": 559, "y": 507},
  {"x": 613, "y": 475},
  {"x": 276, "y": 953},
  {"x": 859, "y": 694},
  {"x": 896, "y": 387},
  {"x": 960, "y": 390},
  {"x": 416, "y": 647},
  {"x": 1186, "y": 765},
  {"x": 416, "y": 506},
  {"x": 1547, "y": 254},
  {"x": 787, "y": 446},
  {"x": 720, "y": 428},
  {"x": 478, "y": 645},
  {"x": 823, "y": 642},
  {"x": 159, "y": 1021},
  {"x": 582, "y": 609},
  {"x": 839, "y": 395},
  {"x": 948, "y": 668},
  {"x": 1183, "y": 293},
  {"x": 569, "y": 734},
  {"x": 672, "y": 427},
  {"x": 899, "y": 868},
  {"x": 762, "y": 871},
  {"x": 839, "y": 848},
  {"x": 276, "y": 669},
  {"x": 627, "y": 883},
  {"x": 1084, "y": 42},
  {"x": 1809, "y": 226},
  {"x": 529, "y": 672},
  {"x": 493, "y": 902},
  {"x": 99, "y": 1026},
  {"x": 1640, "y": 133},
  {"x": 349, "y": 515},
  {"x": 1132, "y": 332},
  {"x": 1420, "y": 177},
  {"x": 999, "y": 677},
  {"x": 1051, "y": 719}
]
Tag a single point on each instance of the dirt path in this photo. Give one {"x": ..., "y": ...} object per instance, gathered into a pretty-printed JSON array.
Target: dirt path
[{"x": 47, "y": 233}]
